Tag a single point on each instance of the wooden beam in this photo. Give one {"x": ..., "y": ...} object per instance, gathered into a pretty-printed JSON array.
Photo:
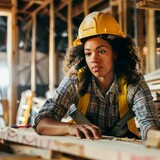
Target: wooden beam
[
  {"x": 78, "y": 9},
  {"x": 62, "y": 4},
  {"x": 24, "y": 12},
  {"x": 52, "y": 55},
  {"x": 148, "y": 4},
  {"x": 86, "y": 10},
  {"x": 5, "y": 2},
  {"x": 38, "y": 2},
  {"x": 28, "y": 6},
  {"x": 43, "y": 5},
  {"x": 69, "y": 17},
  {"x": 12, "y": 49},
  {"x": 113, "y": 2},
  {"x": 5, "y": 5},
  {"x": 29, "y": 27},
  {"x": 33, "y": 54},
  {"x": 63, "y": 18},
  {"x": 122, "y": 13},
  {"x": 150, "y": 30}
]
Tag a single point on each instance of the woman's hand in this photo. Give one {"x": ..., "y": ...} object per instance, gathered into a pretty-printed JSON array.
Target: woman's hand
[{"x": 88, "y": 131}]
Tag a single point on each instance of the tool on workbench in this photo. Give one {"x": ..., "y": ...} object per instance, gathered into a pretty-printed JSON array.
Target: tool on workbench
[
  {"x": 21, "y": 126},
  {"x": 25, "y": 106}
]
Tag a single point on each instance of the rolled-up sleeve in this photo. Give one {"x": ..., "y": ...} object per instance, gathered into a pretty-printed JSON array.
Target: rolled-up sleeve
[
  {"x": 145, "y": 109},
  {"x": 57, "y": 107}
]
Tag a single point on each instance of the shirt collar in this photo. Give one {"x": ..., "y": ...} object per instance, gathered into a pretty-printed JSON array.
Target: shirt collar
[{"x": 114, "y": 88}]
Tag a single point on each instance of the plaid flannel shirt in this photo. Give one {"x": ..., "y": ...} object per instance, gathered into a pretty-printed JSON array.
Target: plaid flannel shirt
[{"x": 103, "y": 110}]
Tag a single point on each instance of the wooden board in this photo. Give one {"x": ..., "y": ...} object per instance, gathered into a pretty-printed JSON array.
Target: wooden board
[{"x": 93, "y": 149}]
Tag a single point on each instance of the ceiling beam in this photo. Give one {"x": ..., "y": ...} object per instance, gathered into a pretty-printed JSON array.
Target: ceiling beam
[
  {"x": 148, "y": 4},
  {"x": 63, "y": 18},
  {"x": 79, "y": 9},
  {"x": 63, "y": 4},
  {"x": 28, "y": 6},
  {"x": 43, "y": 5}
]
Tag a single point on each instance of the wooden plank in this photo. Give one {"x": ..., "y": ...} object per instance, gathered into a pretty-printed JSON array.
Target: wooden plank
[
  {"x": 10, "y": 151},
  {"x": 152, "y": 78},
  {"x": 155, "y": 88},
  {"x": 78, "y": 9},
  {"x": 122, "y": 13},
  {"x": 150, "y": 30},
  {"x": 29, "y": 150},
  {"x": 69, "y": 24},
  {"x": 156, "y": 72},
  {"x": 62, "y": 4},
  {"x": 29, "y": 4},
  {"x": 18, "y": 157},
  {"x": 12, "y": 49},
  {"x": 148, "y": 4},
  {"x": 86, "y": 9},
  {"x": 5, "y": 4},
  {"x": 43, "y": 5},
  {"x": 92, "y": 149},
  {"x": 52, "y": 55},
  {"x": 33, "y": 54}
]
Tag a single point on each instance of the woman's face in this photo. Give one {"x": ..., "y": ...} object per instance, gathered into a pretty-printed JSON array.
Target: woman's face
[{"x": 99, "y": 57}]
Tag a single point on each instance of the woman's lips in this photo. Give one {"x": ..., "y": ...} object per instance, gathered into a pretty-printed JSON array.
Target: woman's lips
[{"x": 96, "y": 68}]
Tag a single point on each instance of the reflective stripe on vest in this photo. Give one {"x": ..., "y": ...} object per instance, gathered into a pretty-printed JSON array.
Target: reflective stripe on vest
[{"x": 123, "y": 107}]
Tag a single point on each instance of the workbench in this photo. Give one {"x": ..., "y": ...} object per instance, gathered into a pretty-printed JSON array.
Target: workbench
[{"x": 26, "y": 141}]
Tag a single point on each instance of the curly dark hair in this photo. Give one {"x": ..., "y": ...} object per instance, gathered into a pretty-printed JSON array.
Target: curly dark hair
[{"x": 127, "y": 63}]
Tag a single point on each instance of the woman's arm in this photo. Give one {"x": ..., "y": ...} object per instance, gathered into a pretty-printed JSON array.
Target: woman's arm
[
  {"x": 49, "y": 126},
  {"x": 145, "y": 109}
]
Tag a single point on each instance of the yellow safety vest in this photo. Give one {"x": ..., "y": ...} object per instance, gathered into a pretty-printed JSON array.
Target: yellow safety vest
[{"x": 123, "y": 106}]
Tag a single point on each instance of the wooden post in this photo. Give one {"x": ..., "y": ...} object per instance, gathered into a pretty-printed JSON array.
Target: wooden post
[
  {"x": 150, "y": 30},
  {"x": 52, "y": 54},
  {"x": 141, "y": 38},
  {"x": 69, "y": 15},
  {"x": 33, "y": 54},
  {"x": 12, "y": 50},
  {"x": 86, "y": 11},
  {"x": 122, "y": 14}
]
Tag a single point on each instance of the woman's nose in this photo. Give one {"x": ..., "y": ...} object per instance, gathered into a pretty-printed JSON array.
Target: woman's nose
[{"x": 94, "y": 57}]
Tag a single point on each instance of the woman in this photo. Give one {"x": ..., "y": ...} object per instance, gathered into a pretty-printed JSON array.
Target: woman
[{"x": 107, "y": 71}]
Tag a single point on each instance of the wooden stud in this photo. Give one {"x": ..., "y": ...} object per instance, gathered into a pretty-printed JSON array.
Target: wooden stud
[
  {"x": 86, "y": 10},
  {"x": 69, "y": 15},
  {"x": 78, "y": 9},
  {"x": 33, "y": 54},
  {"x": 150, "y": 30},
  {"x": 122, "y": 13},
  {"x": 52, "y": 55},
  {"x": 12, "y": 47}
]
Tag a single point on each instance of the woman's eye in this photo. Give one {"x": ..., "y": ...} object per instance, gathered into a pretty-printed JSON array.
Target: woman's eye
[
  {"x": 102, "y": 51},
  {"x": 87, "y": 53}
]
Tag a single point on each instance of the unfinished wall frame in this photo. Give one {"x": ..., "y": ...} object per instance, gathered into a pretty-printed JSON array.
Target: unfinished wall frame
[{"x": 11, "y": 62}]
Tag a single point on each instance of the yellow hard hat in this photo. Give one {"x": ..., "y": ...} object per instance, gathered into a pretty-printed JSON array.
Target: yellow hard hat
[{"x": 97, "y": 23}]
